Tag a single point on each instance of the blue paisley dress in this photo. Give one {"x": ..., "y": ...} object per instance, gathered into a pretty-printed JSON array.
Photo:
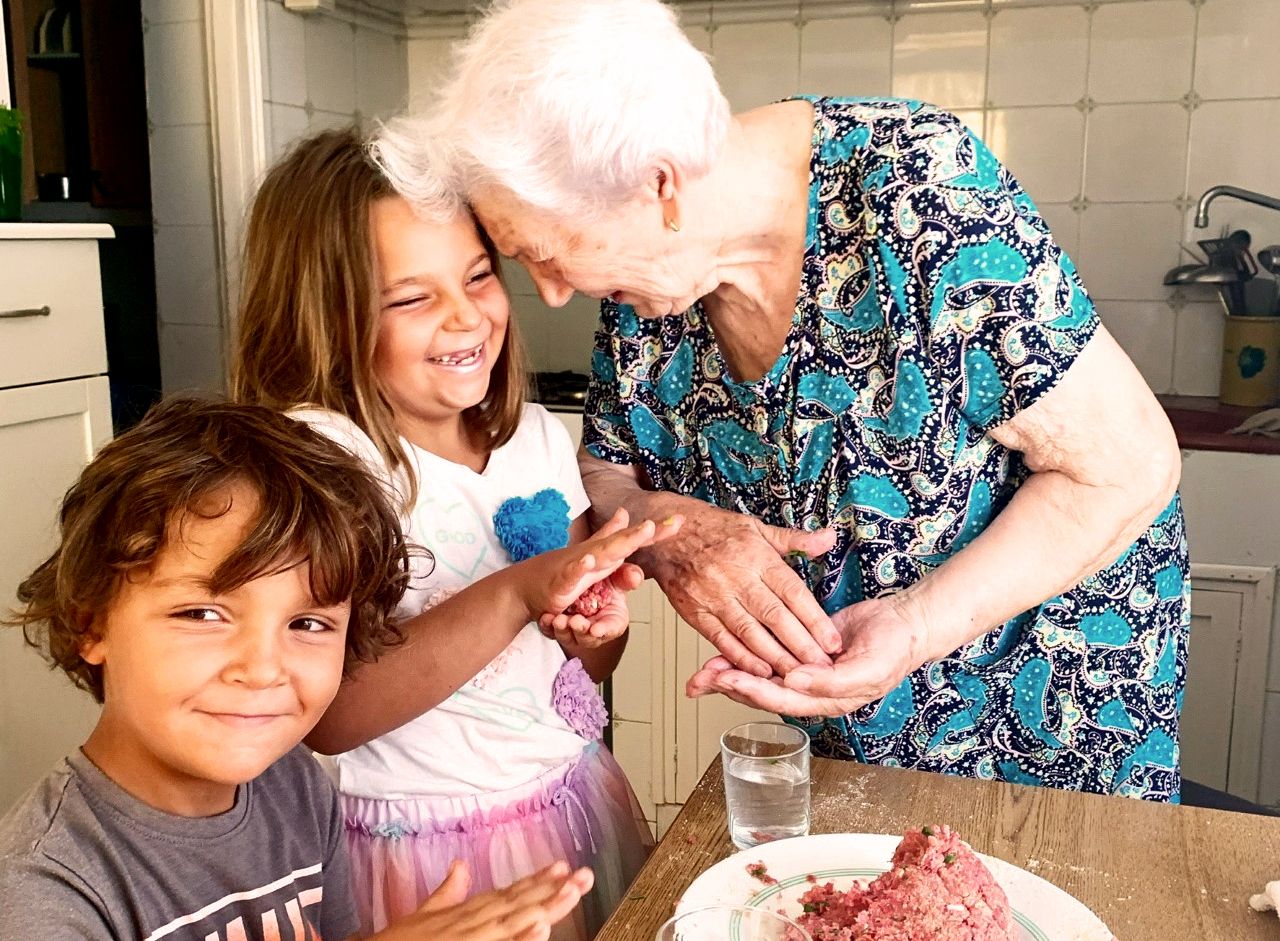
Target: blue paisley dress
[{"x": 934, "y": 306}]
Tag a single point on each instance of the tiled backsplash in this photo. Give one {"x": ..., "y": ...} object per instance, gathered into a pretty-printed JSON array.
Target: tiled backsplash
[
  {"x": 1116, "y": 116},
  {"x": 318, "y": 71}
]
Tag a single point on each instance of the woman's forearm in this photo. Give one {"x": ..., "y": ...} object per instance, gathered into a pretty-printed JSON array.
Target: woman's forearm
[
  {"x": 1104, "y": 463},
  {"x": 1053, "y": 534},
  {"x": 444, "y": 647}
]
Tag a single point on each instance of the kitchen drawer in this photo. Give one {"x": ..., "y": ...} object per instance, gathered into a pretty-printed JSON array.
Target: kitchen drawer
[{"x": 67, "y": 341}]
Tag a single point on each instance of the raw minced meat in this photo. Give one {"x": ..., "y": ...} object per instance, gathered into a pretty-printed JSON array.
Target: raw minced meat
[{"x": 936, "y": 890}]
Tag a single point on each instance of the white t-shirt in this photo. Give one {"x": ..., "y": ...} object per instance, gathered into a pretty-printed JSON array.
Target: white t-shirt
[{"x": 500, "y": 730}]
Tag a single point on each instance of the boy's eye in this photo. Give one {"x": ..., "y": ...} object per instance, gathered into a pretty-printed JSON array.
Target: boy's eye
[
  {"x": 480, "y": 276},
  {"x": 310, "y": 625},
  {"x": 198, "y": 614}
]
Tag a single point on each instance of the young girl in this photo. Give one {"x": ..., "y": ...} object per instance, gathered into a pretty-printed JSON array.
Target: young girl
[{"x": 480, "y": 738}]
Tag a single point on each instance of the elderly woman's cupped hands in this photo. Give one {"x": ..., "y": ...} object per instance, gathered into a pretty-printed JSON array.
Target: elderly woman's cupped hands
[{"x": 883, "y": 640}]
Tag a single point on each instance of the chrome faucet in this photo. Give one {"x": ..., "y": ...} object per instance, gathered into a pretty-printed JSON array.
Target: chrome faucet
[{"x": 1249, "y": 196}]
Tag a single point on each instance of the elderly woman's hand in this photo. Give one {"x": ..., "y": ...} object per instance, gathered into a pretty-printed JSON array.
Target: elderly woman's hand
[
  {"x": 725, "y": 575},
  {"x": 884, "y": 640}
]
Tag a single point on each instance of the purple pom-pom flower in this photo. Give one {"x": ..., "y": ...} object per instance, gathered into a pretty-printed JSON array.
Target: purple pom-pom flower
[{"x": 578, "y": 702}]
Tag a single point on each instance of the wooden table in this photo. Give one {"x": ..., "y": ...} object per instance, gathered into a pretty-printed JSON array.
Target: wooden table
[{"x": 1152, "y": 872}]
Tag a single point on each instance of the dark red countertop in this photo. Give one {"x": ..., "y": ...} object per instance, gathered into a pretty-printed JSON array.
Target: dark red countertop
[{"x": 1201, "y": 424}]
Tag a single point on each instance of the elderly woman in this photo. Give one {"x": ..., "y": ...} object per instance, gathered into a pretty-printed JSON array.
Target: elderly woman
[{"x": 931, "y": 505}]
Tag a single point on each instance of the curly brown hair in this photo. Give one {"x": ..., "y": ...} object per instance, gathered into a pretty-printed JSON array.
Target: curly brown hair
[{"x": 317, "y": 503}]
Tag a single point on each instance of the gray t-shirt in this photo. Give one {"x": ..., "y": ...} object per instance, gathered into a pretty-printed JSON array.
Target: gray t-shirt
[{"x": 82, "y": 859}]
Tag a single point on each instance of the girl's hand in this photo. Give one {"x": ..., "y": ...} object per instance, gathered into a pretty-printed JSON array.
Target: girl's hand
[
  {"x": 554, "y": 580},
  {"x": 523, "y": 911},
  {"x": 603, "y": 627}
]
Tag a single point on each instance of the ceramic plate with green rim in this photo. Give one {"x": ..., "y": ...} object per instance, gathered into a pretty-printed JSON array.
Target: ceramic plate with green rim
[{"x": 1042, "y": 910}]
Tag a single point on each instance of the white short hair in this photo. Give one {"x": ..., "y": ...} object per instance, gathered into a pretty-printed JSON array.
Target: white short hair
[{"x": 568, "y": 104}]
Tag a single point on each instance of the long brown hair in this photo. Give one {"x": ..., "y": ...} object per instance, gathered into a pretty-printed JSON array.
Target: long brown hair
[
  {"x": 317, "y": 503},
  {"x": 309, "y": 300}
]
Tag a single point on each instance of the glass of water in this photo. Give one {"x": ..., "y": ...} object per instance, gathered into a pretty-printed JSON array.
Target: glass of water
[
  {"x": 730, "y": 923},
  {"x": 766, "y": 782}
]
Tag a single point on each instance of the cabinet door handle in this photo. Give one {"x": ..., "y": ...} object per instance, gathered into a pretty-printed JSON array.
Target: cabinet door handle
[{"x": 25, "y": 312}]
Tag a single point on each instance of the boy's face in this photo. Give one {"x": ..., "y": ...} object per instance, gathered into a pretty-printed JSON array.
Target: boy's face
[{"x": 203, "y": 692}]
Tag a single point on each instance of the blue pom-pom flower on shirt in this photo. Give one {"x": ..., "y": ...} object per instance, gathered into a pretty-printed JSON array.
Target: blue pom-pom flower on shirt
[{"x": 529, "y": 526}]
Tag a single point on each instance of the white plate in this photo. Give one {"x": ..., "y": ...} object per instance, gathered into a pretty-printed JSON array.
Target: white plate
[{"x": 1042, "y": 911}]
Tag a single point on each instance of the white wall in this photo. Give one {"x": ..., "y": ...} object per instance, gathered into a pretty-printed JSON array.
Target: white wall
[
  {"x": 1233, "y": 517},
  {"x": 1115, "y": 116},
  {"x": 187, "y": 263},
  {"x": 318, "y": 71}
]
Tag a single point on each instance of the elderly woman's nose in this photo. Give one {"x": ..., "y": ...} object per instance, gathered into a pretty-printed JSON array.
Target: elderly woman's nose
[{"x": 554, "y": 290}]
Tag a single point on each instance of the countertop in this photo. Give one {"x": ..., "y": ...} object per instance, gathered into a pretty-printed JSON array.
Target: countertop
[
  {"x": 1152, "y": 872},
  {"x": 55, "y": 230},
  {"x": 1201, "y": 424}
]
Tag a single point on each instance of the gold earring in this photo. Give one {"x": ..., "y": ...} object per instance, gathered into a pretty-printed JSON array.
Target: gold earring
[{"x": 673, "y": 225}]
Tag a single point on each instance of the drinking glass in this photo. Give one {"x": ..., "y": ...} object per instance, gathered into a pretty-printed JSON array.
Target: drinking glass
[
  {"x": 731, "y": 923},
  {"x": 766, "y": 782}
]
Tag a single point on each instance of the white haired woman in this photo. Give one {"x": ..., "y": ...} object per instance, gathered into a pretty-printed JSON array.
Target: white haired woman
[{"x": 931, "y": 505}]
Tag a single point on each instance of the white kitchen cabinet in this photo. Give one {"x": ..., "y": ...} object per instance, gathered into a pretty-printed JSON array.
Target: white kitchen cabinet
[{"x": 55, "y": 412}]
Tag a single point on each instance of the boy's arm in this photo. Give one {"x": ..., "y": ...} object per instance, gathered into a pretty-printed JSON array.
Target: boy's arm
[{"x": 42, "y": 899}]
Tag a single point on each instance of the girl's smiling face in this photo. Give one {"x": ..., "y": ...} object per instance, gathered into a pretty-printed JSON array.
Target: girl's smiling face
[{"x": 443, "y": 315}]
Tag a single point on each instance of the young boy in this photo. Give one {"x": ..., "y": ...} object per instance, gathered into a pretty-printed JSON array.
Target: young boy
[{"x": 220, "y": 568}]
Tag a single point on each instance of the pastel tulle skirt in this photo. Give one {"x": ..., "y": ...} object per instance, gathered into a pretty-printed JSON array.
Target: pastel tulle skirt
[{"x": 584, "y": 812}]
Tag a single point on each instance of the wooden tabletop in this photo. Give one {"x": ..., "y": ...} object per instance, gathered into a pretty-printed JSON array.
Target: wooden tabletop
[{"x": 1152, "y": 872}]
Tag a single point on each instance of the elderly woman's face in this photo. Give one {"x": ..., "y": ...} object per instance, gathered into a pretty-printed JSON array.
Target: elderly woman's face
[{"x": 630, "y": 255}]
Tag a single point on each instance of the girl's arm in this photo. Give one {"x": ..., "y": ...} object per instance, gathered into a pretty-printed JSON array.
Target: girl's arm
[{"x": 448, "y": 644}]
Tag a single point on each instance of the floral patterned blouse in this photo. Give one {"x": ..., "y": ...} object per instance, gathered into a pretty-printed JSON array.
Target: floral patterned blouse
[{"x": 934, "y": 306}]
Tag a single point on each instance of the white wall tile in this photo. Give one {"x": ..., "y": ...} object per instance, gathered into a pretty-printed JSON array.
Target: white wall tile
[
  {"x": 1238, "y": 49},
  {"x": 1141, "y": 51},
  {"x": 700, "y": 36},
  {"x": 1038, "y": 56},
  {"x": 1064, "y": 223},
  {"x": 287, "y": 125},
  {"x": 1197, "y": 362},
  {"x": 1136, "y": 153},
  {"x": 850, "y": 57},
  {"x": 187, "y": 280},
  {"x": 558, "y": 338},
  {"x": 941, "y": 58},
  {"x": 1269, "y": 773},
  {"x": 286, "y": 53},
  {"x": 171, "y": 11},
  {"x": 1126, "y": 249},
  {"x": 175, "y": 72},
  {"x": 382, "y": 78},
  {"x": 756, "y": 62},
  {"x": 1144, "y": 329},
  {"x": 331, "y": 65},
  {"x": 191, "y": 358},
  {"x": 974, "y": 120},
  {"x": 1236, "y": 142},
  {"x": 328, "y": 120},
  {"x": 182, "y": 175},
  {"x": 1044, "y": 147},
  {"x": 516, "y": 278},
  {"x": 428, "y": 60}
]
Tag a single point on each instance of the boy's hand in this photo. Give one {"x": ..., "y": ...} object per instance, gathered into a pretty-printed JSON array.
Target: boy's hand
[
  {"x": 523, "y": 911},
  {"x": 556, "y": 579}
]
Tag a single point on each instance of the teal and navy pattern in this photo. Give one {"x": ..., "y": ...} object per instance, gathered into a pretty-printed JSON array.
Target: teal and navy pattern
[{"x": 934, "y": 306}]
